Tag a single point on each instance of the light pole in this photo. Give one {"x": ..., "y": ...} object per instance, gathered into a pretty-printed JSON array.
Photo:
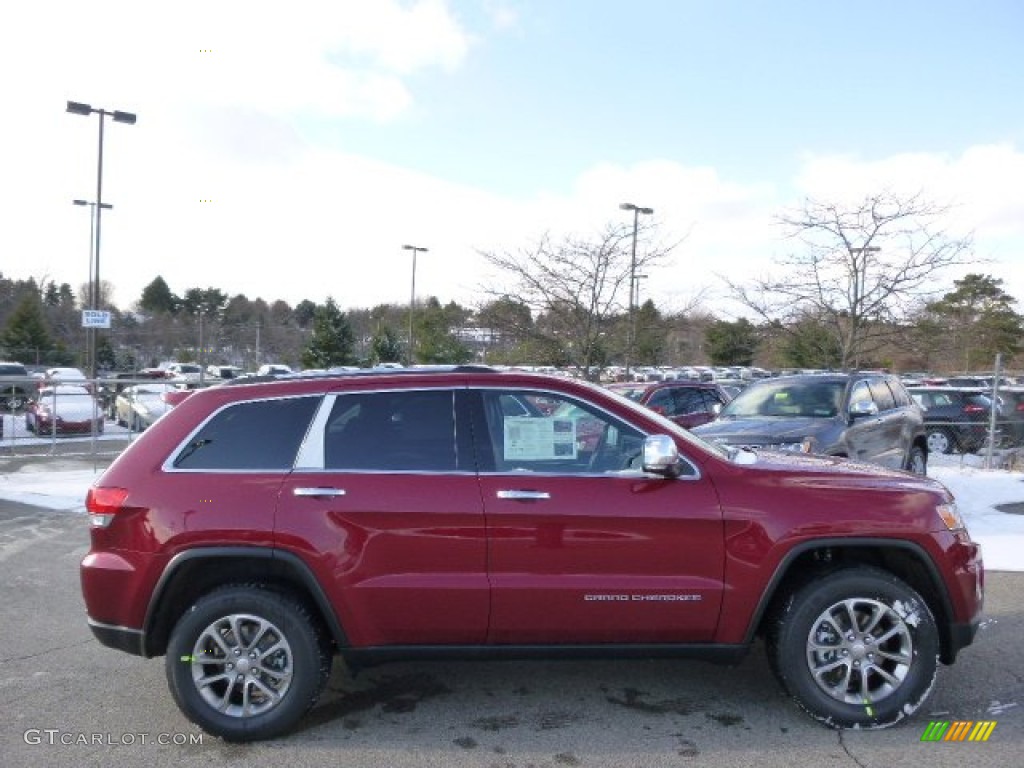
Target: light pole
[
  {"x": 89, "y": 346},
  {"x": 631, "y": 331},
  {"x": 412, "y": 296},
  {"x": 78, "y": 108}
]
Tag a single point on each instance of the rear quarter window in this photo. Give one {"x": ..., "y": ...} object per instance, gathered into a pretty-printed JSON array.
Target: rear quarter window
[{"x": 258, "y": 435}]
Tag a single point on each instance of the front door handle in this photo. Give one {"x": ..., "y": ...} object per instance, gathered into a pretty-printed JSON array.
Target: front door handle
[
  {"x": 524, "y": 495},
  {"x": 318, "y": 492}
]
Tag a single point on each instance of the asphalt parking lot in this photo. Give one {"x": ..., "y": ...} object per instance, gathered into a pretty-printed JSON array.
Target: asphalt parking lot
[{"x": 65, "y": 700}]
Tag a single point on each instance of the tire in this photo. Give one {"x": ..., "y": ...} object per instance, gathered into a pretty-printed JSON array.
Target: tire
[
  {"x": 917, "y": 461},
  {"x": 940, "y": 441},
  {"x": 249, "y": 621},
  {"x": 860, "y": 683},
  {"x": 137, "y": 425}
]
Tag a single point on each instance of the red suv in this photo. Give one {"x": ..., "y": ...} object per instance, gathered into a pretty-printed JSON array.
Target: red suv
[
  {"x": 258, "y": 530},
  {"x": 688, "y": 402}
]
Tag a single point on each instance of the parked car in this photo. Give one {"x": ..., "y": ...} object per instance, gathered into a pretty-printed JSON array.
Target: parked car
[
  {"x": 16, "y": 386},
  {"x": 865, "y": 416},
  {"x": 274, "y": 369},
  {"x": 404, "y": 514},
  {"x": 64, "y": 409},
  {"x": 112, "y": 384},
  {"x": 1013, "y": 414},
  {"x": 64, "y": 376},
  {"x": 187, "y": 374},
  {"x": 140, "y": 405},
  {"x": 223, "y": 372},
  {"x": 688, "y": 402},
  {"x": 955, "y": 419}
]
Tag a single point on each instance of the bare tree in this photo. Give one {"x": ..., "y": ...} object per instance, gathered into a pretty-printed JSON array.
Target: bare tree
[
  {"x": 862, "y": 269},
  {"x": 574, "y": 288}
]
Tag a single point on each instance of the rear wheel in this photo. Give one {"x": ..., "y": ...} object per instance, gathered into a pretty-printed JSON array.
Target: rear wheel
[
  {"x": 245, "y": 663},
  {"x": 940, "y": 441},
  {"x": 856, "y": 648}
]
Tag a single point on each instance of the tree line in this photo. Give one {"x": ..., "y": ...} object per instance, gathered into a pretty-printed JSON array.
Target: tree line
[{"x": 862, "y": 287}]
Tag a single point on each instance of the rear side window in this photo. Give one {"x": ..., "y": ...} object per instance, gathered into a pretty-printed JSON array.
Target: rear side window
[
  {"x": 899, "y": 393},
  {"x": 260, "y": 435}
]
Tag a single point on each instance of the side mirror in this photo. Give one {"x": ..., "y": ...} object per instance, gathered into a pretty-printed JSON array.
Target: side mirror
[
  {"x": 661, "y": 456},
  {"x": 862, "y": 408},
  {"x": 716, "y": 408}
]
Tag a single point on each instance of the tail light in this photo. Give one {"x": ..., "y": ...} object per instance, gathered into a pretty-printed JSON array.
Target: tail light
[
  {"x": 974, "y": 408},
  {"x": 103, "y": 503},
  {"x": 1020, "y": 407}
]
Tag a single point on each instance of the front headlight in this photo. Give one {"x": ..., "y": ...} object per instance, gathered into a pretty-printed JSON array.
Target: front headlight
[{"x": 951, "y": 516}]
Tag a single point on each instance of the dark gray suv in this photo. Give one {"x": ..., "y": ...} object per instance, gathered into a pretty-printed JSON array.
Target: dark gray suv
[{"x": 865, "y": 416}]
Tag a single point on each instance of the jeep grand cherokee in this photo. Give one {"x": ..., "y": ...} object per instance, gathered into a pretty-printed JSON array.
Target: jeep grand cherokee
[{"x": 258, "y": 530}]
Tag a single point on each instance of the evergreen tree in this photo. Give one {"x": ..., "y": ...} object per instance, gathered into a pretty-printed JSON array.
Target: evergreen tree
[
  {"x": 979, "y": 320},
  {"x": 332, "y": 342},
  {"x": 157, "y": 298},
  {"x": 386, "y": 348},
  {"x": 25, "y": 335},
  {"x": 436, "y": 342},
  {"x": 731, "y": 343}
]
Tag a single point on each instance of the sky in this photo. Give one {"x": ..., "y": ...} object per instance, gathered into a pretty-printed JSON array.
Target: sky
[
  {"x": 289, "y": 149},
  {"x": 61, "y": 484}
]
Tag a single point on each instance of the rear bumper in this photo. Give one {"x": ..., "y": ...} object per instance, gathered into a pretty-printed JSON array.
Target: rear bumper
[{"x": 120, "y": 638}]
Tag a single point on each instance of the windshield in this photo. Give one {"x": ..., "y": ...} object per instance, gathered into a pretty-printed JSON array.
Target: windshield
[{"x": 787, "y": 398}]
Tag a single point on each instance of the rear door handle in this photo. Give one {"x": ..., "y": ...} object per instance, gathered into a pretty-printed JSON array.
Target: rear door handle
[
  {"x": 318, "y": 492},
  {"x": 524, "y": 495}
]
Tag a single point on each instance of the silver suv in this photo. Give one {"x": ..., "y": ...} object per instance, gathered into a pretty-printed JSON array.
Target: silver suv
[{"x": 865, "y": 416}]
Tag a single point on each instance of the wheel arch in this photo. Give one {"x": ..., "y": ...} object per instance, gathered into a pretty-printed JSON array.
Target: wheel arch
[
  {"x": 904, "y": 559},
  {"x": 193, "y": 573}
]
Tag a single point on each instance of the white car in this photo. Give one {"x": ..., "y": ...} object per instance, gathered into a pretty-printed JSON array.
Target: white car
[
  {"x": 64, "y": 376},
  {"x": 184, "y": 373},
  {"x": 274, "y": 369},
  {"x": 223, "y": 372}
]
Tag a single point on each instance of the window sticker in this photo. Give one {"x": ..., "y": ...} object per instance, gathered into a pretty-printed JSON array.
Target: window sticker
[{"x": 528, "y": 438}]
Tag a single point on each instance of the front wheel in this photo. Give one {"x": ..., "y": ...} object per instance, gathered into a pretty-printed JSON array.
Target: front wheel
[
  {"x": 245, "y": 663},
  {"x": 856, "y": 648}
]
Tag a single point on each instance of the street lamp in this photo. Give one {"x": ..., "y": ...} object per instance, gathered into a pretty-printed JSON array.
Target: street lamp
[
  {"x": 89, "y": 346},
  {"x": 92, "y": 234},
  {"x": 412, "y": 296},
  {"x": 631, "y": 331},
  {"x": 78, "y": 108}
]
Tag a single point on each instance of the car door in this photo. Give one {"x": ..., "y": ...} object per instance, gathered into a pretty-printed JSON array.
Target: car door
[
  {"x": 384, "y": 505},
  {"x": 863, "y": 434},
  {"x": 582, "y": 546},
  {"x": 892, "y": 442}
]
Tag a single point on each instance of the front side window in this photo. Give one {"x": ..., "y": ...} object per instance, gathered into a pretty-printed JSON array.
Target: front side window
[
  {"x": 261, "y": 435},
  {"x": 564, "y": 437},
  {"x": 394, "y": 431}
]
